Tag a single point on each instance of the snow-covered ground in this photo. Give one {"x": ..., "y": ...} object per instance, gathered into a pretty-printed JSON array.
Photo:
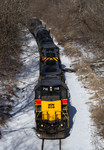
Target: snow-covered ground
[
  {"x": 80, "y": 135},
  {"x": 20, "y": 135}
]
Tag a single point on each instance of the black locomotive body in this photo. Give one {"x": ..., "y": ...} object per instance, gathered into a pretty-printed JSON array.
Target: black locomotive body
[{"x": 51, "y": 92}]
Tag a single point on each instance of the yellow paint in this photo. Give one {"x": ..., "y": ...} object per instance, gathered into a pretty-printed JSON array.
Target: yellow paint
[
  {"x": 48, "y": 58},
  {"x": 51, "y": 110},
  {"x": 55, "y": 59}
]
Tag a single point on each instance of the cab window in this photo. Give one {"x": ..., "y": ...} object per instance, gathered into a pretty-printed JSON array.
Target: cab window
[{"x": 47, "y": 91}]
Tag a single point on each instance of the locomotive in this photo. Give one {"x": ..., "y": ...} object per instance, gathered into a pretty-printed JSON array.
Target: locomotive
[{"x": 51, "y": 92}]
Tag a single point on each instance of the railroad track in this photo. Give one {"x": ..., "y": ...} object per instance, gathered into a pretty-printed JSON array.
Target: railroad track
[
  {"x": 42, "y": 148},
  {"x": 42, "y": 144}
]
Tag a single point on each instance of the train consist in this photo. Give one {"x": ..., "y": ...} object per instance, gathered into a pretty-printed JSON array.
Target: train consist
[{"x": 51, "y": 92}]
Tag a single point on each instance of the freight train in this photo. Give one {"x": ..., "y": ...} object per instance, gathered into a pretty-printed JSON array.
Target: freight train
[{"x": 51, "y": 92}]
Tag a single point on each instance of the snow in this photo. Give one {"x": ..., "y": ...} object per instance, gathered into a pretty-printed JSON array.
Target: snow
[
  {"x": 19, "y": 133},
  {"x": 80, "y": 136},
  {"x": 86, "y": 52}
]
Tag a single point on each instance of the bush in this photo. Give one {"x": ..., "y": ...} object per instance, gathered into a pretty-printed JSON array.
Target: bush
[{"x": 11, "y": 14}]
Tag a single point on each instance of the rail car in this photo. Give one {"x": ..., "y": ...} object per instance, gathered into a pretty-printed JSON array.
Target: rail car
[
  {"x": 51, "y": 92},
  {"x": 47, "y": 48}
]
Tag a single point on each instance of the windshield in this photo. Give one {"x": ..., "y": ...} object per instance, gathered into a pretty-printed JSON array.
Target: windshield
[{"x": 51, "y": 91}]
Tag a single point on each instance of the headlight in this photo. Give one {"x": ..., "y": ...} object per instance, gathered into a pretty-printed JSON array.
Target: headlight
[
  {"x": 41, "y": 125},
  {"x": 61, "y": 125}
]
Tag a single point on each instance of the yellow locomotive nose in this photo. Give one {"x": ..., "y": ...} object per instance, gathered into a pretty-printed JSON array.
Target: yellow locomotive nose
[{"x": 51, "y": 110}]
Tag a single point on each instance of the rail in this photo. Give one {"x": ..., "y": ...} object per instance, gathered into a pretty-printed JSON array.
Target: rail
[{"x": 42, "y": 147}]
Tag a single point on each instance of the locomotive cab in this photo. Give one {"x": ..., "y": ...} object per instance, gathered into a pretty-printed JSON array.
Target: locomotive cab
[{"x": 51, "y": 109}]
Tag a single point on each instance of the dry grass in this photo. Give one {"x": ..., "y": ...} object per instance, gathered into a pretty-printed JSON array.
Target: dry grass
[
  {"x": 98, "y": 117},
  {"x": 71, "y": 51},
  {"x": 12, "y": 13},
  {"x": 91, "y": 81},
  {"x": 9, "y": 45}
]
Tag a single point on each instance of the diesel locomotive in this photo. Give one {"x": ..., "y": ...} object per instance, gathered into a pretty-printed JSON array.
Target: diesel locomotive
[{"x": 51, "y": 92}]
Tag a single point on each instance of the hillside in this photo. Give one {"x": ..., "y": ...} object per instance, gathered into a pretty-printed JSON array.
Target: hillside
[{"x": 78, "y": 26}]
